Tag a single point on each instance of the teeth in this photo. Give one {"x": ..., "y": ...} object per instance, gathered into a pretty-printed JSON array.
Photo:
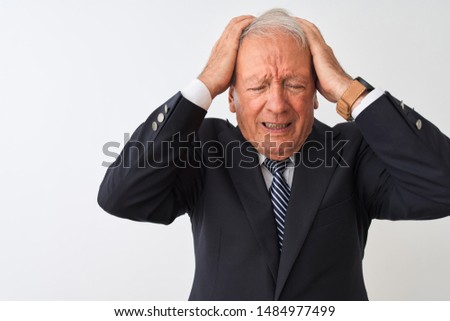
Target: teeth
[{"x": 275, "y": 126}]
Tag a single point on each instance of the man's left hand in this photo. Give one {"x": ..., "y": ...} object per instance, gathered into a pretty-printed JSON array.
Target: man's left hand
[{"x": 332, "y": 81}]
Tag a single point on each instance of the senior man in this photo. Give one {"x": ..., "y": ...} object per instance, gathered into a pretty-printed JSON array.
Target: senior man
[{"x": 280, "y": 206}]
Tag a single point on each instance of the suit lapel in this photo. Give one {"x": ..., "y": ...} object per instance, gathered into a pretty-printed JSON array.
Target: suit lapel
[
  {"x": 250, "y": 186},
  {"x": 308, "y": 187}
]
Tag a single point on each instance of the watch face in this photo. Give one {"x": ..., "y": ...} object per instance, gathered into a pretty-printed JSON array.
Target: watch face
[{"x": 364, "y": 83}]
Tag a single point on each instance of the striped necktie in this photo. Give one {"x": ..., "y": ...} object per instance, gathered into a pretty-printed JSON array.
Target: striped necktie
[{"x": 279, "y": 193}]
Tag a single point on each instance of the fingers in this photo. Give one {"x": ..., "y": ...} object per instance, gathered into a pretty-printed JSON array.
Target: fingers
[
  {"x": 311, "y": 27},
  {"x": 233, "y": 31},
  {"x": 239, "y": 20},
  {"x": 235, "y": 27},
  {"x": 313, "y": 35},
  {"x": 219, "y": 68},
  {"x": 332, "y": 80}
]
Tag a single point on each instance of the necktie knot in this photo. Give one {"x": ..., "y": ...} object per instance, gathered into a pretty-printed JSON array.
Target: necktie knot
[{"x": 276, "y": 166}]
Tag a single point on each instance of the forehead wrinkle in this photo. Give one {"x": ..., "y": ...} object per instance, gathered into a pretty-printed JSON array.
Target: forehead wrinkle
[
  {"x": 278, "y": 71},
  {"x": 267, "y": 77},
  {"x": 271, "y": 63}
]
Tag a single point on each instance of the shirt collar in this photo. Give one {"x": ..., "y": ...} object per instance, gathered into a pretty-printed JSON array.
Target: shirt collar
[{"x": 262, "y": 158}]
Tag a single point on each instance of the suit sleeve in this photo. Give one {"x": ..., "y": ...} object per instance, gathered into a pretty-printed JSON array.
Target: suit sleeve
[
  {"x": 157, "y": 176},
  {"x": 404, "y": 172}
]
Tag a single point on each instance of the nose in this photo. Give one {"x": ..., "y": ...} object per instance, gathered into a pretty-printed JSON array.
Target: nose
[{"x": 276, "y": 101}]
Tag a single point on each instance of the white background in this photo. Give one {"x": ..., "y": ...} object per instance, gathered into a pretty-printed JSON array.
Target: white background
[{"x": 77, "y": 74}]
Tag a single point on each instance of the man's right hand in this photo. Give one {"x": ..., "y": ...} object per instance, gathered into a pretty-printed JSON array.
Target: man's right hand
[{"x": 218, "y": 71}]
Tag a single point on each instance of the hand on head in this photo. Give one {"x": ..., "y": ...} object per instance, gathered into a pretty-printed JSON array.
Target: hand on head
[
  {"x": 273, "y": 71},
  {"x": 218, "y": 71},
  {"x": 332, "y": 80}
]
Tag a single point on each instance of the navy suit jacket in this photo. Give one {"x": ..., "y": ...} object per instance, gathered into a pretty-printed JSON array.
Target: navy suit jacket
[{"x": 390, "y": 163}]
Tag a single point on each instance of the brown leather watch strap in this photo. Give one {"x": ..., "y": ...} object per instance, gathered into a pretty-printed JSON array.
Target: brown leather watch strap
[{"x": 351, "y": 95}]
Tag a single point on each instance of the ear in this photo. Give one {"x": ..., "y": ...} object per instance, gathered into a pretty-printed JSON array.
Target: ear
[
  {"x": 232, "y": 99},
  {"x": 316, "y": 102}
]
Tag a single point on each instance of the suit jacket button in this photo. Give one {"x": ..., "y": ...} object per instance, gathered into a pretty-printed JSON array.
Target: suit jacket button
[
  {"x": 154, "y": 126},
  {"x": 166, "y": 109},
  {"x": 419, "y": 124},
  {"x": 160, "y": 117}
]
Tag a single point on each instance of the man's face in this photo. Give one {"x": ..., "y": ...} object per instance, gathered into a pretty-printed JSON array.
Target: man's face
[{"x": 274, "y": 94}]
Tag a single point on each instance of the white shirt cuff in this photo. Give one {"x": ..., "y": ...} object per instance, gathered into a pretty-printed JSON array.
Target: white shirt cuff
[
  {"x": 366, "y": 101},
  {"x": 197, "y": 93}
]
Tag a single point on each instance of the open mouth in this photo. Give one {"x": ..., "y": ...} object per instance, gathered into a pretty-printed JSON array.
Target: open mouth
[{"x": 275, "y": 125}]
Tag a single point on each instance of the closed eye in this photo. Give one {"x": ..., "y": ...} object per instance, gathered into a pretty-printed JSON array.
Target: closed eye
[
  {"x": 295, "y": 86},
  {"x": 259, "y": 88}
]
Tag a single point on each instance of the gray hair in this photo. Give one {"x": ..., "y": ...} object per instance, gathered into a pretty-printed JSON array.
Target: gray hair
[{"x": 274, "y": 21}]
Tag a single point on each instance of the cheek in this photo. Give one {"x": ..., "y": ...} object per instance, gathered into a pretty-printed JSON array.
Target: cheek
[
  {"x": 248, "y": 111},
  {"x": 247, "y": 123},
  {"x": 305, "y": 117},
  {"x": 304, "y": 108}
]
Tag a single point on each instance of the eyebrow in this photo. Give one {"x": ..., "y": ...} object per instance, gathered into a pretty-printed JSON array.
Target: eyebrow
[
  {"x": 296, "y": 77},
  {"x": 256, "y": 79},
  {"x": 263, "y": 79}
]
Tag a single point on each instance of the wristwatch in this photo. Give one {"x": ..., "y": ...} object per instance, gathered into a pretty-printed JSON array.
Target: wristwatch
[{"x": 344, "y": 105}]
